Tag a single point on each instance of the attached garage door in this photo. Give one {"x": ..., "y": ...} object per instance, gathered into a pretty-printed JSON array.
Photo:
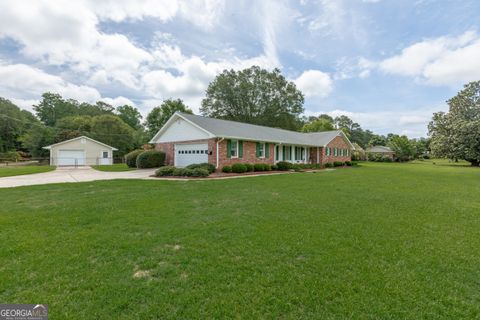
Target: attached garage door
[
  {"x": 186, "y": 154},
  {"x": 71, "y": 158}
]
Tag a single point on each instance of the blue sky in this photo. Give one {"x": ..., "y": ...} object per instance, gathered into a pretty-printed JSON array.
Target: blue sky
[{"x": 387, "y": 64}]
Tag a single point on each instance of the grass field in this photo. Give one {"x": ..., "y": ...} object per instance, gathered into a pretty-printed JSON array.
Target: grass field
[
  {"x": 113, "y": 168},
  {"x": 7, "y": 171},
  {"x": 380, "y": 241}
]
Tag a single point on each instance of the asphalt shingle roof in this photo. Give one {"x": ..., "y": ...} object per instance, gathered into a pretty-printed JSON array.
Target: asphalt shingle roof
[
  {"x": 379, "y": 149},
  {"x": 245, "y": 131}
]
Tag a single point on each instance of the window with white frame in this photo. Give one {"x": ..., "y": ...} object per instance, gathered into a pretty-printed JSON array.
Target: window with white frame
[
  {"x": 298, "y": 153},
  {"x": 288, "y": 153},
  {"x": 234, "y": 149},
  {"x": 261, "y": 150},
  {"x": 105, "y": 154},
  {"x": 335, "y": 152}
]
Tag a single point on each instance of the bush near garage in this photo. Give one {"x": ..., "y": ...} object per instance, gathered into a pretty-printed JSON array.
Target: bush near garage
[
  {"x": 207, "y": 166},
  {"x": 131, "y": 158},
  {"x": 227, "y": 169},
  {"x": 165, "y": 171},
  {"x": 150, "y": 159}
]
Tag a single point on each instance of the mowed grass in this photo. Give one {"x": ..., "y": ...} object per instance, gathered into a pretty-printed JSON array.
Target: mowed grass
[
  {"x": 381, "y": 241},
  {"x": 118, "y": 167},
  {"x": 8, "y": 171}
]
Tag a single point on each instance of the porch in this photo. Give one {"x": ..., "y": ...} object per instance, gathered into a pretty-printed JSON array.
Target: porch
[{"x": 297, "y": 153}]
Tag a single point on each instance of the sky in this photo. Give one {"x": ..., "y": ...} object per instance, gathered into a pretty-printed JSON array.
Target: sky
[{"x": 387, "y": 64}]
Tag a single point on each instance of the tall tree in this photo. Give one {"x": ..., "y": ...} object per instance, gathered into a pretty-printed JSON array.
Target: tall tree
[
  {"x": 130, "y": 115},
  {"x": 72, "y": 127},
  {"x": 37, "y": 137},
  {"x": 256, "y": 96},
  {"x": 456, "y": 134},
  {"x": 403, "y": 148},
  {"x": 53, "y": 107},
  {"x": 12, "y": 125},
  {"x": 318, "y": 125},
  {"x": 113, "y": 131},
  {"x": 160, "y": 115}
]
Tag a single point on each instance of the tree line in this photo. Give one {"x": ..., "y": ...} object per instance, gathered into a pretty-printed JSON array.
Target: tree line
[{"x": 252, "y": 95}]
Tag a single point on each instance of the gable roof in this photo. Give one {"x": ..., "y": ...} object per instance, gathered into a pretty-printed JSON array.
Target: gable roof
[
  {"x": 84, "y": 137},
  {"x": 379, "y": 149},
  {"x": 245, "y": 131}
]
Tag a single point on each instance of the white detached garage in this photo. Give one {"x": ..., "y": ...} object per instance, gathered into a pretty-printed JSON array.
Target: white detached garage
[{"x": 80, "y": 151}]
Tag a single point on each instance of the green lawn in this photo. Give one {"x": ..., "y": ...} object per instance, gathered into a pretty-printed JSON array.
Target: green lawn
[
  {"x": 113, "y": 168},
  {"x": 380, "y": 241},
  {"x": 7, "y": 171}
]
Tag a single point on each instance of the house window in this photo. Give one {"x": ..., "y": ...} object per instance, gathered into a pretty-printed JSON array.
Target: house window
[
  {"x": 288, "y": 153},
  {"x": 327, "y": 151},
  {"x": 335, "y": 152},
  {"x": 234, "y": 149},
  {"x": 105, "y": 154},
  {"x": 261, "y": 150},
  {"x": 277, "y": 152},
  {"x": 299, "y": 153}
]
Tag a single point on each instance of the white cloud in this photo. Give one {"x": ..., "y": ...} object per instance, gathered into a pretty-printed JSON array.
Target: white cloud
[
  {"x": 315, "y": 83},
  {"x": 440, "y": 61},
  {"x": 19, "y": 81},
  {"x": 118, "y": 101}
]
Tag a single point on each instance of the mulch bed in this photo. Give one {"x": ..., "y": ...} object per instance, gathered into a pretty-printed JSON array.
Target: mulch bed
[{"x": 221, "y": 175}]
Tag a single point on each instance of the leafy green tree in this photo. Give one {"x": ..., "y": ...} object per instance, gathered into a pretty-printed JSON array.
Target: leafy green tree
[
  {"x": 72, "y": 127},
  {"x": 160, "y": 115},
  {"x": 12, "y": 125},
  {"x": 377, "y": 140},
  {"x": 53, "y": 107},
  {"x": 36, "y": 138},
  {"x": 256, "y": 96},
  {"x": 113, "y": 131},
  {"x": 318, "y": 125},
  {"x": 130, "y": 115},
  {"x": 456, "y": 134},
  {"x": 403, "y": 148}
]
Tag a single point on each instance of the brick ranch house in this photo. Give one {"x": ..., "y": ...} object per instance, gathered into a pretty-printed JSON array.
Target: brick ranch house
[{"x": 187, "y": 139}]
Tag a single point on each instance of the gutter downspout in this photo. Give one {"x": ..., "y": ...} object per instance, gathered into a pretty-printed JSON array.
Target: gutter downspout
[{"x": 218, "y": 141}]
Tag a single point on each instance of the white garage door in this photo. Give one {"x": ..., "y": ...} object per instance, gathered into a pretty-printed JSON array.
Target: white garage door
[
  {"x": 71, "y": 158},
  {"x": 186, "y": 154}
]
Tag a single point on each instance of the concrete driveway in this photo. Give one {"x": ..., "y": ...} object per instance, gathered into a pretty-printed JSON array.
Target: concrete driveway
[{"x": 69, "y": 174}]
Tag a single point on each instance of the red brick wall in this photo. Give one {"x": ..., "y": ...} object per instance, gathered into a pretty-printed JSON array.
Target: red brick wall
[
  {"x": 339, "y": 143},
  {"x": 249, "y": 154}
]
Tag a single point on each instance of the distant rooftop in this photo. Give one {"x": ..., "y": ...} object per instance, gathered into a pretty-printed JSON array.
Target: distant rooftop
[{"x": 379, "y": 149}]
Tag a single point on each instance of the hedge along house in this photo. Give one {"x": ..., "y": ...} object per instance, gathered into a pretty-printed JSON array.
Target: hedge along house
[
  {"x": 188, "y": 139},
  {"x": 80, "y": 151}
]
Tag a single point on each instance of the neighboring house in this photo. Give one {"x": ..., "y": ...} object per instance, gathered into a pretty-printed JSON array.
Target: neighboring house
[
  {"x": 80, "y": 151},
  {"x": 187, "y": 139},
  {"x": 381, "y": 150},
  {"x": 358, "y": 152}
]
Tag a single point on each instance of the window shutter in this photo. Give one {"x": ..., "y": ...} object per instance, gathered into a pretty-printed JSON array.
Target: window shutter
[
  {"x": 257, "y": 153},
  {"x": 229, "y": 147},
  {"x": 267, "y": 150},
  {"x": 283, "y": 153},
  {"x": 240, "y": 149}
]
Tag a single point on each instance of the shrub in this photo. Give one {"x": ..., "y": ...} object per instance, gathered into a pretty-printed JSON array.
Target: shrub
[
  {"x": 207, "y": 166},
  {"x": 274, "y": 167},
  {"x": 199, "y": 172},
  {"x": 317, "y": 166},
  {"x": 165, "y": 171},
  {"x": 338, "y": 164},
  {"x": 284, "y": 166},
  {"x": 259, "y": 167},
  {"x": 250, "y": 167},
  {"x": 150, "y": 159},
  {"x": 181, "y": 172},
  {"x": 239, "y": 168},
  {"x": 131, "y": 158},
  {"x": 267, "y": 167},
  {"x": 387, "y": 159},
  {"x": 328, "y": 165},
  {"x": 348, "y": 163},
  {"x": 227, "y": 169},
  {"x": 296, "y": 167}
]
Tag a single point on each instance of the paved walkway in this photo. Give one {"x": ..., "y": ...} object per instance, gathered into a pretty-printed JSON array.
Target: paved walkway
[{"x": 69, "y": 174}]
